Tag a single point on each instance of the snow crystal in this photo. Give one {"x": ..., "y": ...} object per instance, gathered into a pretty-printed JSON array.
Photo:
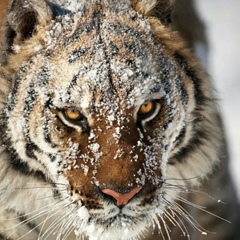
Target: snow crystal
[
  {"x": 111, "y": 118},
  {"x": 58, "y": 29},
  {"x": 76, "y": 167},
  {"x": 37, "y": 48},
  {"x": 83, "y": 213},
  {"x": 135, "y": 158},
  {"x": 139, "y": 143},
  {"x": 118, "y": 154},
  {"x": 142, "y": 178},
  {"x": 16, "y": 48},
  {"x": 124, "y": 224},
  {"x": 85, "y": 169},
  {"x": 94, "y": 147},
  {"x": 76, "y": 232},
  {"x": 117, "y": 129},
  {"x": 117, "y": 134},
  {"x": 91, "y": 135}
]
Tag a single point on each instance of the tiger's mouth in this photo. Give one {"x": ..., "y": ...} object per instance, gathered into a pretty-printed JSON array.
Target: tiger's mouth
[
  {"x": 123, "y": 216},
  {"x": 116, "y": 224},
  {"x": 119, "y": 220}
]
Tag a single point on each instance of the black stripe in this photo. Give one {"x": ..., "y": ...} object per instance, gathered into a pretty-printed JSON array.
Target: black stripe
[
  {"x": 198, "y": 135},
  {"x": 46, "y": 132},
  {"x": 29, "y": 103},
  {"x": 23, "y": 167},
  {"x": 30, "y": 148},
  {"x": 30, "y": 99},
  {"x": 14, "y": 160},
  {"x": 166, "y": 68},
  {"x": 169, "y": 119},
  {"x": 75, "y": 78},
  {"x": 194, "y": 143},
  {"x": 51, "y": 157},
  {"x": 57, "y": 10},
  {"x": 133, "y": 48},
  {"x": 43, "y": 76},
  {"x": 180, "y": 137},
  {"x": 14, "y": 91},
  {"x": 114, "y": 48},
  {"x": 181, "y": 89},
  {"x": 98, "y": 15},
  {"x": 84, "y": 28},
  {"x": 77, "y": 54},
  {"x": 198, "y": 93},
  {"x": 120, "y": 28}
]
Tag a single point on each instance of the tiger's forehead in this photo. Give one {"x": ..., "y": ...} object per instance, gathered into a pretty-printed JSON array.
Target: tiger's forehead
[{"x": 103, "y": 52}]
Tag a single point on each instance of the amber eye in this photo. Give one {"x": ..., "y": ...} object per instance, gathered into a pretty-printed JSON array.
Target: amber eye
[
  {"x": 147, "y": 108},
  {"x": 72, "y": 114}
]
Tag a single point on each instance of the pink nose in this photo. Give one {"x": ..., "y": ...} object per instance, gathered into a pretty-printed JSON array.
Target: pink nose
[{"x": 122, "y": 199}]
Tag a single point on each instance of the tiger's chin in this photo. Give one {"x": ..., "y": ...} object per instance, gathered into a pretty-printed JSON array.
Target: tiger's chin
[
  {"x": 120, "y": 223},
  {"x": 120, "y": 226}
]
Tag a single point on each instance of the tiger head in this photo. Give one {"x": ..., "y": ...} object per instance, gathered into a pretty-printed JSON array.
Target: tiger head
[{"x": 108, "y": 107}]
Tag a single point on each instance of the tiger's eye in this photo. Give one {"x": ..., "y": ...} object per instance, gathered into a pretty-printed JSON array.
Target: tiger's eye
[
  {"x": 72, "y": 114},
  {"x": 147, "y": 108}
]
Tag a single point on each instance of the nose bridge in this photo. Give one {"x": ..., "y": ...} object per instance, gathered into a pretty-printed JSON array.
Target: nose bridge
[
  {"x": 120, "y": 133},
  {"x": 121, "y": 158},
  {"x": 118, "y": 167}
]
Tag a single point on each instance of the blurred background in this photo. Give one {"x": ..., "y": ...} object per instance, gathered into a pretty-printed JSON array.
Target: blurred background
[{"x": 222, "y": 27}]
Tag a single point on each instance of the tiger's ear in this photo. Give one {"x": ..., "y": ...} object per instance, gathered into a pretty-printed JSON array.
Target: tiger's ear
[
  {"x": 24, "y": 17},
  {"x": 161, "y": 9}
]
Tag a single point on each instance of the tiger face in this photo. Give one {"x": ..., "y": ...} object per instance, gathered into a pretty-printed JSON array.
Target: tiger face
[{"x": 108, "y": 112}]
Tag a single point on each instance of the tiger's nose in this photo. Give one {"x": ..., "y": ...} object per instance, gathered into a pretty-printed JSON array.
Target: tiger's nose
[{"x": 122, "y": 199}]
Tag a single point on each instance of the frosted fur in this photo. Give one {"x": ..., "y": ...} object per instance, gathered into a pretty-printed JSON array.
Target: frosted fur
[{"x": 104, "y": 59}]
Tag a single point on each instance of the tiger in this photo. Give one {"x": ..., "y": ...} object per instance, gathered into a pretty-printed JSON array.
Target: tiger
[{"x": 110, "y": 128}]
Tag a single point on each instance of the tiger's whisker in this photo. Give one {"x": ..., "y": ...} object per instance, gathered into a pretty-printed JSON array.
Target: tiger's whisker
[
  {"x": 185, "y": 215},
  {"x": 55, "y": 226},
  {"x": 69, "y": 226},
  {"x": 201, "y": 208},
  {"x": 172, "y": 218},
  {"x": 29, "y": 220},
  {"x": 51, "y": 214}
]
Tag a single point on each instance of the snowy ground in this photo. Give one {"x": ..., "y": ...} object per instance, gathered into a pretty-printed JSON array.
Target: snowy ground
[{"x": 222, "y": 20}]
